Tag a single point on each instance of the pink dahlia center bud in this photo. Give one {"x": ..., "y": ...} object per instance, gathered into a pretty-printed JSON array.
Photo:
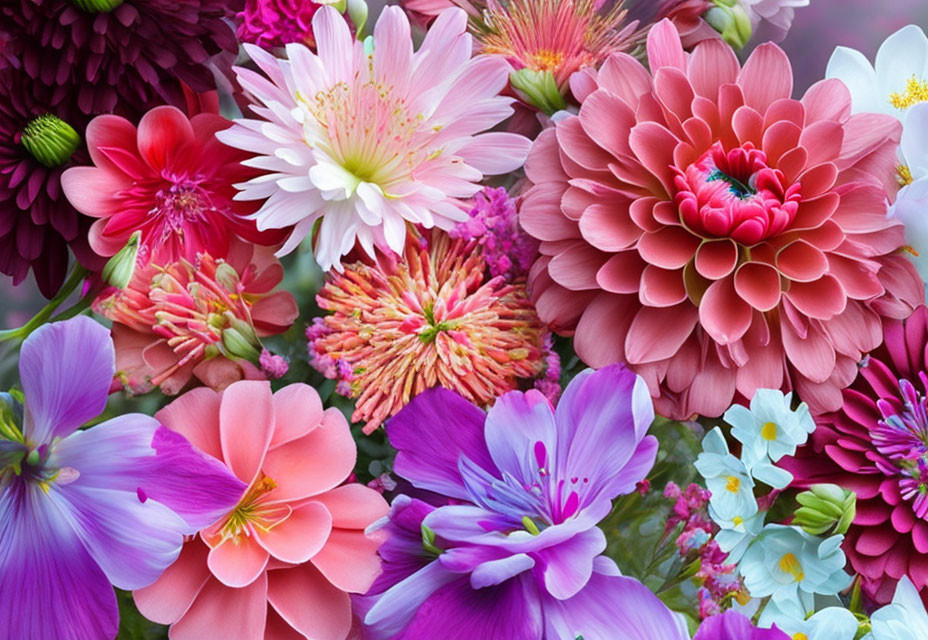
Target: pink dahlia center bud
[{"x": 736, "y": 195}]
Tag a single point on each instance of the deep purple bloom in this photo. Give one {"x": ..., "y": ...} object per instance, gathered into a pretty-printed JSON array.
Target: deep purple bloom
[
  {"x": 514, "y": 551},
  {"x": 122, "y": 56},
  {"x": 731, "y": 625},
  {"x": 83, "y": 509}
]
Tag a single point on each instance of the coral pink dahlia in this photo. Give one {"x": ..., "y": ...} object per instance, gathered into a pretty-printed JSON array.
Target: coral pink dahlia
[
  {"x": 364, "y": 143},
  {"x": 171, "y": 179},
  {"x": 282, "y": 562},
  {"x": 715, "y": 234}
]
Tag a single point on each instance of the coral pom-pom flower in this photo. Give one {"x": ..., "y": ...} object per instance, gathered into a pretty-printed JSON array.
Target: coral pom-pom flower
[
  {"x": 715, "y": 234},
  {"x": 368, "y": 142},
  {"x": 83, "y": 509},
  {"x": 171, "y": 179},
  {"x": 281, "y": 563}
]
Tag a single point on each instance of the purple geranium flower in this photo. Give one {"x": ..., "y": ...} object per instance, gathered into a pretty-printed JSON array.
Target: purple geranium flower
[
  {"x": 513, "y": 550},
  {"x": 81, "y": 510},
  {"x": 732, "y": 625}
]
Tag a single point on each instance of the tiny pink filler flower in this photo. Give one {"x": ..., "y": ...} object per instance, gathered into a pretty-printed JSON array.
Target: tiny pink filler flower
[{"x": 366, "y": 142}]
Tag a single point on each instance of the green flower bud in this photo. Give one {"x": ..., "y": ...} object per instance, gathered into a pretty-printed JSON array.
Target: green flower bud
[
  {"x": 228, "y": 277},
  {"x": 428, "y": 541},
  {"x": 239, "y": 346},
  {"x": 539, "y": 89},
  {"x": 824, "y": 507},
  {"x": 50, "y": 140},
  {"x": 732, "y": 22},
  {"x": 357, "y": 11},
  {"x": 119, "y": 269},
  {"x": 96, "y": 6}
]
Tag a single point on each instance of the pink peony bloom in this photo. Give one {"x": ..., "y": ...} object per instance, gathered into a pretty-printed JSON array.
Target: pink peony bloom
[
  {"x": 713, "y": 233},
  {"x": 877, "y": 446},
  {"x": 200, "y": 319},
  {"x": 282, "y": 563},
  {"x": 364, "y": 143},
  {"x": 170, "y": 178}
]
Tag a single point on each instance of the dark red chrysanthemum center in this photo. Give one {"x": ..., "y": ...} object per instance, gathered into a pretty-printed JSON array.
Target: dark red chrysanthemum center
[{"x": 735, "y": 195}]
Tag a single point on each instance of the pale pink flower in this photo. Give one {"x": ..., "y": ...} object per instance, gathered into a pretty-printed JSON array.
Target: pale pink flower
[
  {"x": 716, "y": 235},
  {"x": 364, "y": 143},
  {"x": 283, "y": 561}
]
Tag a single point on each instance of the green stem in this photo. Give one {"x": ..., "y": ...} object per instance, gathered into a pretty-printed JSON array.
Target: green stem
[{"x": 73, "y": 281}]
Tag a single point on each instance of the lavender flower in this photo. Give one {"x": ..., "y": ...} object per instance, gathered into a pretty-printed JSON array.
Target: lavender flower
[
  {"x": 514, "y": 551},
  {"x": 80, "y": 510}
]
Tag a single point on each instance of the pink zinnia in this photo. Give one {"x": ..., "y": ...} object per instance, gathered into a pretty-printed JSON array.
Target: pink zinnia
[
  {"x": 171, "y": 178},
  {"x": 363, "y": 144},
  {"x": 282, "y": 563},
  {"x": 713, "y": 233},
  {"x": 200, "y": 319},
  {"x": 877, "y": 446}
]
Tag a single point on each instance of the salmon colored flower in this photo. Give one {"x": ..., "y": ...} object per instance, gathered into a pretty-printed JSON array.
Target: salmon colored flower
[
  {"x": 716, "y": 235},
  {"x": 283, "y": 561},
  {"x": 200, "y": 319},
  {"x": 431, "y": 319},
  {"x": 171, "y": 179}
]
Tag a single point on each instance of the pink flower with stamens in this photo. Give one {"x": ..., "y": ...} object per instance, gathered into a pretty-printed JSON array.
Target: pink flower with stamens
[{"x": 718, "y": 236}]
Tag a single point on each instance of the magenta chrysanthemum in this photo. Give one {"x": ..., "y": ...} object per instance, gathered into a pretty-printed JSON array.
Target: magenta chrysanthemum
[
  {"x": 718, "y": 236},
  {"x": 431, "y": 319},
  {"x": 275, "y": 23},
  {"x": 365, "y": 143},
  {"x": 121, "y": 55},
  {"x": 877, "y": 446}
]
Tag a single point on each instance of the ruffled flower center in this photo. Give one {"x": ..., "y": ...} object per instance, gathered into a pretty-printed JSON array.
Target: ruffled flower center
[
  {"x": 182, "y": 201},
  {"x": 735, "y": 195},
  {"x": 915, "y": 91},
  {"x": 50, "y": 140},
  {"x": 901, "y": 438},
  {"x": 253, "y": 510}
]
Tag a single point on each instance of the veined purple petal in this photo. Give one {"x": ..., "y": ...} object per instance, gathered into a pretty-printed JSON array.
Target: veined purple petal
[
  {"x": 459, "y": 612},
  {"x": 601, "y": 418},
  {"x": 397, "y": 605},
  {"x": 521, "y": 435},
  {"x": 431, "y": 433},
  {"x": 134, "y": 453},
  {"x": 566, "y": 568},
  {"x": 495, "y": 572},
  {"x": 612, "y": 608},
  {"x": 50, "y": 586},
  {"x": 66, "y": 369},
  {"x": 402, "y": 551}
]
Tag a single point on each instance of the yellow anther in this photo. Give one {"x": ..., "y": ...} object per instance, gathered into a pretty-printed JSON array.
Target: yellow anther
[
  {"x": 915, "y": 91},
  {"x": 733, "y": 484},
  {"x": 769, "y": 431},
  {"x": 904, "y": 175},
  {"x": 790, "y": 564}
]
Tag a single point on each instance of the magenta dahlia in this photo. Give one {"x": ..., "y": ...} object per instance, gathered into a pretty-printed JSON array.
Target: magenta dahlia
[
  {"x": 716, "y": 235},
  {"x": 122, "y": 55},
  {"x": 38, "y": 141},
  {"x": 877, "y": 445}
]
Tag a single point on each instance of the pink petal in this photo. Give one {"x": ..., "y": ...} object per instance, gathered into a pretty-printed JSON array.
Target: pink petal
[
  {"x": 624, "y": 76},
  {"x": 813, "y": 356},
  {"x": 297, "y": 411},
  {"x": 195, "y": 415},
  {"x": 669, "y": 248},
  {"x": 827, "y": 100},
  {"x": 712, "y": 64},
  {"x": 653, "y": 146},
  {"x": 651, "y": 338},
  {"x": 608, "y": 227},
  {"x": 823, "y": 141},
  {"x": 857, "y": 276},
  {"x": 813, "y": 213},
  {"x": 239, "y": 613},
  {"x": 109, "y": 131},
  {"x": 716, "y": 259},
  {"x": 801, "y": 262},
  {"x": 758, "y": 284},
  {"x": 823, "y": 298},
  {"x": 722, "y": 312},
  {"x": 300, "y": 536},
  {"x": 92, "y": 191},
  {"x": 310, "y": 603},
  {"x": 576, "y": 145},
  {"x": 575, "y": 268},
  {"x": 664, "y": 47},
  {"x": 349, "y": 560},
  {"x": 238, "y": 564},
  {"x": 621, "y": 273},
  {"x": 766, "y": 77},
  {"x": 540, "y": 213},
  {"x": 818, "y": 180},
  {"x": 171, "y": 595},
  {"x": 598, "y": 339},
  {"x": 661, "y": 287},
  {"x": 163, "y": 133},
  {"x": 246, "y": 419},
  {"x": 607, "y": 120},
  {"x": 542, "y": 164},
  {"x": 353, "y": 506},
  {"x": 313, "y": 463}
]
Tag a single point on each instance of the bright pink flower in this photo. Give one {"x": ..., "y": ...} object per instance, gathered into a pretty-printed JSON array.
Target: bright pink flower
[
  {"x": 171, "y": 178},
  {"x": 715, "y": 234},
  {"x": 283, "y": 562},
  {"x": 422, "y": 12},
  {"x": 202, "y": 319},
  {"x": 275, "y": 23}
]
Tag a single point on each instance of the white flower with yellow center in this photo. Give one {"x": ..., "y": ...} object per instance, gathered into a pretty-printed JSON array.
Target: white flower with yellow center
[
  {"x": 726, "y": 478},
  {"x": 831, "y": 623},
  {"x": 769, "y": 430},
  {"x": 792, "y": 566},
  {"x": 912, "y": 200},
  {"x": 736, "y": 533}
]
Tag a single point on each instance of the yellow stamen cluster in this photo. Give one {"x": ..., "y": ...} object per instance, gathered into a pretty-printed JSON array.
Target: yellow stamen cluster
[
  {"x": 790, "y": 564},
  {"x": 904, "y": 175},
  {"x": 915, "y": 91},
  {"x": 769, "y": 431},
  {"x": 733, "y": 484}
]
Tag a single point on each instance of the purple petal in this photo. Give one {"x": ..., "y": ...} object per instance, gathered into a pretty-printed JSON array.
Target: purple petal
[
  {"x": 593, "y": 613},
  {"x": 511, "y": 610},
  {"x": 521, "y": 435},
  {"x": 134, "y": 453},
  {"x": 431, "y": 433},
  {"x": 396, "y": 607},
  {"x": 402, "y": 553},
  {"x": 566, "y": 568},
  {"x": 66, "y": 369},
  {"x": 601, "y": 418},
  {"x": 732, "y": 625},
  {"x": 495, "y": 572},
  {"x": 51, "y": 587},
  {"x": 637, "y": 467}
]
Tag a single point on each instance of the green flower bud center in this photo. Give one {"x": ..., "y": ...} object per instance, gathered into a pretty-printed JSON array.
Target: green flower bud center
[
  {"x": 50, "y": 140},
  {"x": 96, "y": 6}
]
